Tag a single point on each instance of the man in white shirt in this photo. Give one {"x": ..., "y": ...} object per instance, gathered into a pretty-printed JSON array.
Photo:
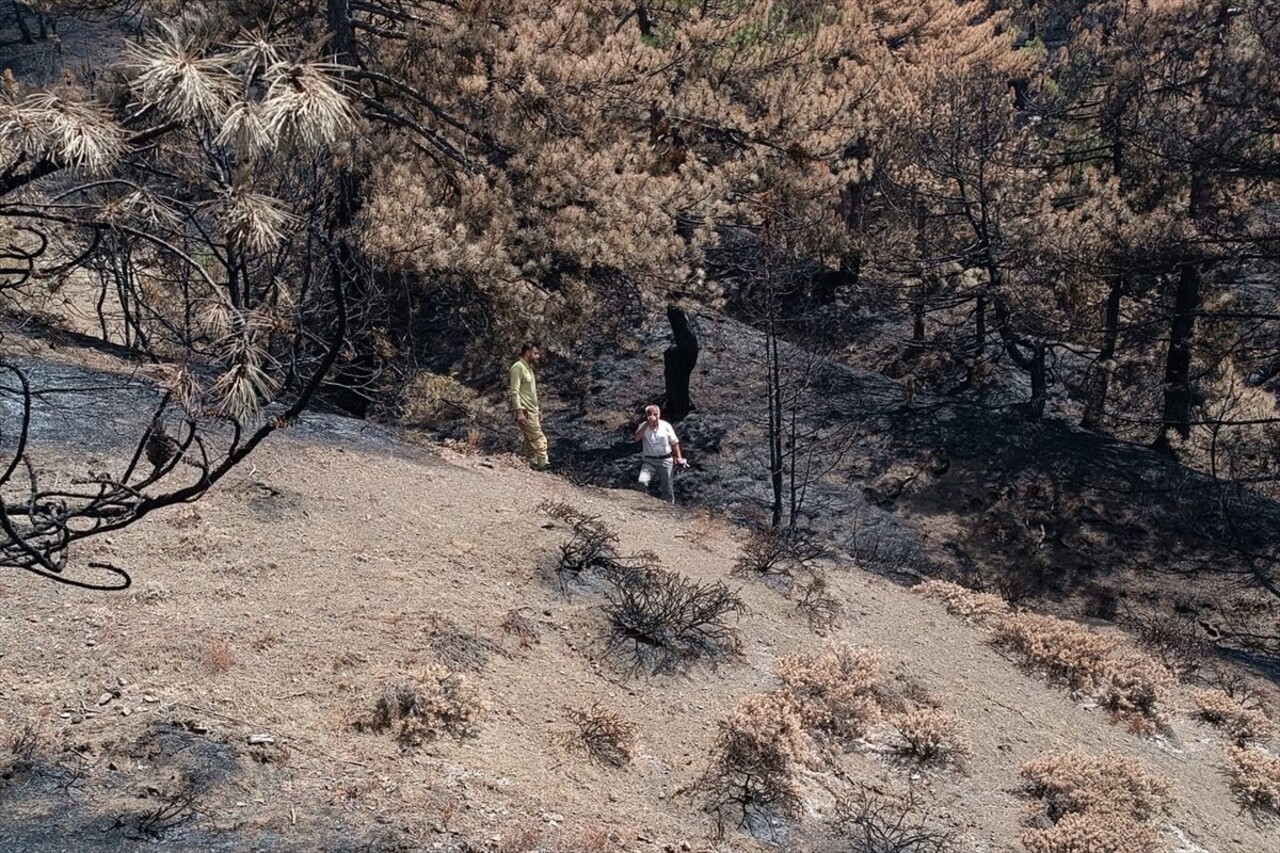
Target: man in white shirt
[{"x": 661, "y": 452}]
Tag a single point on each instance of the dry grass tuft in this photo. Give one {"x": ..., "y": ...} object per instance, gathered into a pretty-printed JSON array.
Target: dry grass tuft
[
  {"x": 22, "y": 745},
  {"x": 603, "y": 735},
  {"x": 593, "y": 839},
  {"x": 968, "y": 604},
  {"x": 705, "y": 524},
  {"x": 1255, "y": 777},
  {"x": 219, "y": 657},
  {"x": 524, "y": 837},
  {"x": 1239, "y": 721},
  {"x": 458, "y": 649},
  {"x": 1093, "y": 803}
]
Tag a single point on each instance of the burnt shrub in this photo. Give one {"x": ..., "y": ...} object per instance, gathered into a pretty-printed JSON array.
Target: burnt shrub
[
  {"x": 604, "y": 735},
  {"x": 871, "y": 822},
  {"x": 778, "y": 554},
  {"x": 591, "y": 544},
  {"x": 789, "y": 560},
  {"x": 660, "y": 621}
]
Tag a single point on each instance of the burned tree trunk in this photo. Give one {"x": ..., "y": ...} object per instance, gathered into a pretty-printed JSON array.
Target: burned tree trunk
[
  {"x": 1097, "y": 381},
  {"x": 1176, "y": 416},
  {"x": 23, "y": 29},
  {"x": 678, "y": 362}
]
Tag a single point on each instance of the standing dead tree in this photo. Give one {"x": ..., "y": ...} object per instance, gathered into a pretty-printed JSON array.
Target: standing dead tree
[{"x": 678, "y": 362}]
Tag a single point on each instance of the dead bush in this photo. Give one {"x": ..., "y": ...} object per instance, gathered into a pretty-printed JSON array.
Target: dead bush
[
  {"x": 1130, "y": 684},
  {"x": 1239, "y": 721},
  {"x": 968, "y": 604},
  {"x": 592, "y": 549},
  {"x": 177, "y": 806},
  {"x": 1058, "y": 648},
  {"x": 814, "y": 598},
  {"x": 833, "y": 692},
  {"x": 660, "y": 621},
  {"x": 788, "y": 560},
  {"x": 1175, "y": 640},
  {"x": 458, "y": 649},
  {"x": 441, "y": 703},
  {"x": 871, "y": 822},
  {"x": 603, "y": 735},
  {"x": 591, "y": 545},
  {"x": 1090, "y": 832},
  {"x": 1102, "y": 802},
  {"x": 930, "y": 736},
  {"x": 1255, "y": 777},
  {"x": 1230, "y": 681},
  {"x": 22, "y": 745},
  {"x": 751, "y": 781},
  {"x": 523, "y": 628},
  {"x": 779, "y": 554},
  {"x": 1133, "y": 687}
]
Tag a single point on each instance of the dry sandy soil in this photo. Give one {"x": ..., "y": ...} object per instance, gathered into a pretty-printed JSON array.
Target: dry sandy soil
[{"x": 283, "y": 603}]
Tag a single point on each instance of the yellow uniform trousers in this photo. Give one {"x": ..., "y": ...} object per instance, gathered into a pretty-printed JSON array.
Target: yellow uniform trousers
[{"x": 535, "y": 443}]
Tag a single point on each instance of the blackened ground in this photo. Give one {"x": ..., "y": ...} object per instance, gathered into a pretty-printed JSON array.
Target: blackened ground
[{"x": 1043, "y": 512}]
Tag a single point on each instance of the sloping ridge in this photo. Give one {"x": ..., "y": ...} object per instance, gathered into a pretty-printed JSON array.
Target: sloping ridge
[{"x": 286, "y": 601}]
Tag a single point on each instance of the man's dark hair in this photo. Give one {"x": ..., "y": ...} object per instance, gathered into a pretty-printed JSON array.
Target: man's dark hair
[{"x": 529, "y": 345}]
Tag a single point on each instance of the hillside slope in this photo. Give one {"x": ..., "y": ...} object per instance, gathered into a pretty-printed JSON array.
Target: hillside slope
[{"x": 284, "y": 603}]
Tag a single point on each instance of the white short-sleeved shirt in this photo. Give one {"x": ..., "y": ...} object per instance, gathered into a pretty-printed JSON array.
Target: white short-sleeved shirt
[{"x": 658, "y": 440}]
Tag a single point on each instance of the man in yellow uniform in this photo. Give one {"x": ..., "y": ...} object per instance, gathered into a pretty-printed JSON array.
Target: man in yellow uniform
[{"x": 522, "y": 398}]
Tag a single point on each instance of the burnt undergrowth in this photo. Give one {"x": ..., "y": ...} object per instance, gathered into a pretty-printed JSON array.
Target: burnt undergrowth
[
  {"x": 964, "y": 487},
  {"x": 657, "y": 620}
]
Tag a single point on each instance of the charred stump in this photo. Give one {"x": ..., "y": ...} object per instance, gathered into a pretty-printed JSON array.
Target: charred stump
[{"x": 678, "y": 361}]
